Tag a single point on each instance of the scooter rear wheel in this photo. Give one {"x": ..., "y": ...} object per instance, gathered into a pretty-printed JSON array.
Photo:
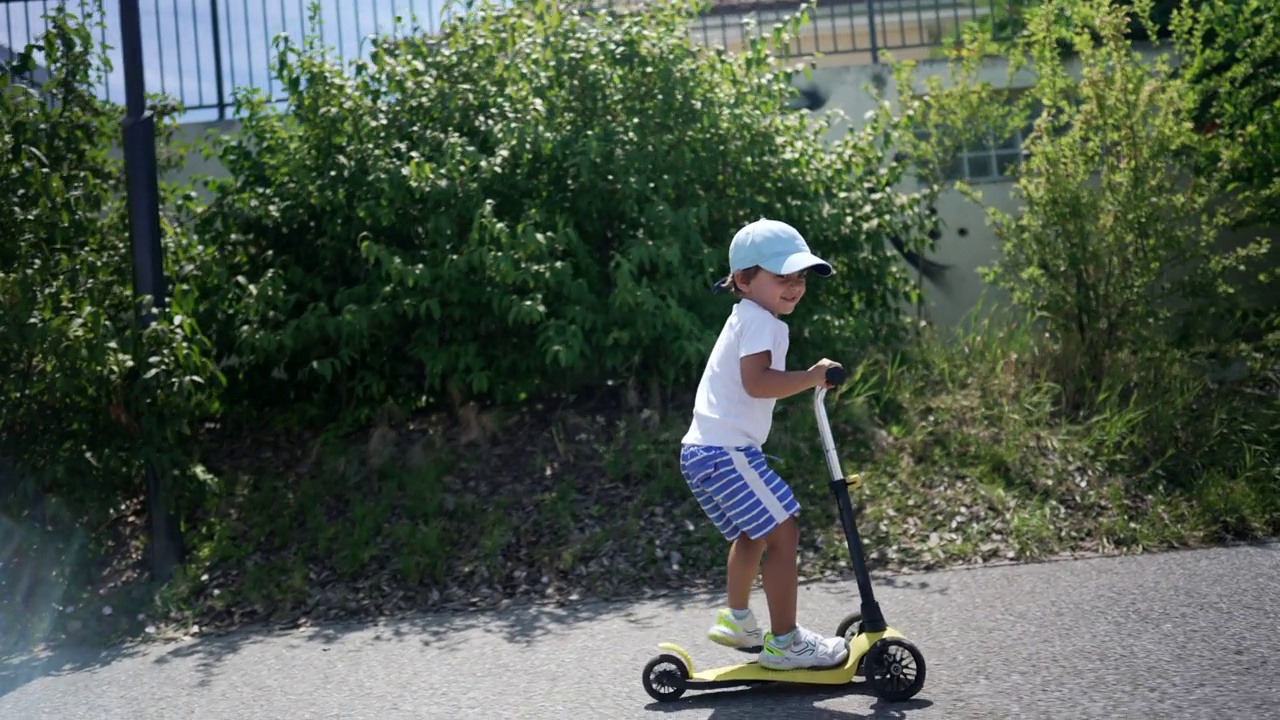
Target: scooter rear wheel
[
  {"x": 850, "y": 626},
  {"x": 664, "y": 677}
]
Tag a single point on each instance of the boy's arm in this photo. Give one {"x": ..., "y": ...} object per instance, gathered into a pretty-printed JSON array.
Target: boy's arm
[{"x": 762, "y": 381}]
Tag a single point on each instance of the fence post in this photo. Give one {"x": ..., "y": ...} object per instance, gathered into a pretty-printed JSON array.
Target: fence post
[
  {"x": 217, "y": 60},
  {"x": 148, "y": 269},
  {"x": 871, "y": 24}
]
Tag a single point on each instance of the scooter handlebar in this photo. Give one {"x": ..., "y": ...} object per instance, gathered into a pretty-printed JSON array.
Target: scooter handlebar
[{"x": 835, "y": 375}]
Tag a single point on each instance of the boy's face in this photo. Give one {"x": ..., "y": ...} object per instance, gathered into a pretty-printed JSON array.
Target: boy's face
[{"x": 779, "y": 294}]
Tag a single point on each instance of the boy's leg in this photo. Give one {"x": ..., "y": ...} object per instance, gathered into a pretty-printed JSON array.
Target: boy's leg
[
  {"x": 760, "y": 502},
  {"x": 780, "y": 576},
  {"x": 753, "y": 507},
  {"x": 743, "y": 566},
  {"x": 735, "y": 625}
]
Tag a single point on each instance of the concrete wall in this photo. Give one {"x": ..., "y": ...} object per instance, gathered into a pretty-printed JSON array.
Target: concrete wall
[
  {"x": 196, "y": 165},
  {"x": 967, "y": 243}
]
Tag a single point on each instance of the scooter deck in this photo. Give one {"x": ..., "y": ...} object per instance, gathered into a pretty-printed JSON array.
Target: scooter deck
[{"x": 753, "y": 672}]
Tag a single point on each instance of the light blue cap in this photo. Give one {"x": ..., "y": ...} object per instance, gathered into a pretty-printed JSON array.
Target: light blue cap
[{"x": 774, "y": 246}]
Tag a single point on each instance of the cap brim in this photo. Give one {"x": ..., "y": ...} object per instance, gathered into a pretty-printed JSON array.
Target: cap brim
[{"x": 796, "y": 262}]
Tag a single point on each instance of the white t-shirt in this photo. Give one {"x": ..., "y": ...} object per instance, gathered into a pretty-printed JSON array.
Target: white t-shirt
[{"x": 724, "y": 414}]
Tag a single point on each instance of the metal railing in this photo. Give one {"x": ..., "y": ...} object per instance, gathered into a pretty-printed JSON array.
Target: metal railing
[
  {"x": 198, "y": 51},
  {"x": 843, "y": 27}
]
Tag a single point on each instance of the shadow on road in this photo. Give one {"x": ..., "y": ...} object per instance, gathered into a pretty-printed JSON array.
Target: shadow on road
[
  {"x": 908, "y": 582},
  {"x": 519, "y": 625},
  {"x": 792, "y": 701},
  {"x": 16, "y": 671}
]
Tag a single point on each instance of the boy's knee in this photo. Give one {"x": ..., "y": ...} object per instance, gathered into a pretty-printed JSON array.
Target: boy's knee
[{"x": 785, "y": 536}]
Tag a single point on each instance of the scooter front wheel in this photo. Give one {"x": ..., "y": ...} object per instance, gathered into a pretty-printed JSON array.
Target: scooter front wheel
[
  {"x": 664, "y": 677},
  {"x": 895, "y": 669}
]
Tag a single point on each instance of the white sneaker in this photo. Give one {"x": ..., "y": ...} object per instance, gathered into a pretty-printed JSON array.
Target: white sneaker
[
  {"x": 805, "y": 650},
  {"x": 736, "y": 633}
]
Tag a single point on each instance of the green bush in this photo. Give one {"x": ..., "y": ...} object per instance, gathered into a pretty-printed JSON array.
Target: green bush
[
  {"x": 85, "y": 396},
  {"x": 1231, "y": 54},
  {"x": 1117, "y": 247},
  {"x": 533, "y": 202},
  {"x": 1117, "y": 243}
]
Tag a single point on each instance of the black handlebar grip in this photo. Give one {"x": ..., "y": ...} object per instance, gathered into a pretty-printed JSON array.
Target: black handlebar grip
[{"x": 835, "y": 375}]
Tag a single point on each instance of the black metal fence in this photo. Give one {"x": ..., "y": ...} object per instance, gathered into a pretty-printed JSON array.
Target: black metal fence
[
  {"x": 861, "y": 27},
  {"x": 197, "y": 51}
]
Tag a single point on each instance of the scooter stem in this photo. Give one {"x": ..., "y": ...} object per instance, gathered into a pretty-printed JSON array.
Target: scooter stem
[{"x": 872, "y": 618}]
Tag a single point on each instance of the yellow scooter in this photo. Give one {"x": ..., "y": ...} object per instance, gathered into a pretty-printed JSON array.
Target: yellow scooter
[{"x": 890, "y": 663}]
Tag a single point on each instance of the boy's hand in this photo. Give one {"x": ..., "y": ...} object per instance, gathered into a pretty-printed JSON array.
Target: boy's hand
[{"x": 819, "y": 372}]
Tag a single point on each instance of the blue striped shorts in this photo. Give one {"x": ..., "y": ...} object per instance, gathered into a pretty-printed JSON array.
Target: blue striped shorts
[{"x": 737, "y": 489}]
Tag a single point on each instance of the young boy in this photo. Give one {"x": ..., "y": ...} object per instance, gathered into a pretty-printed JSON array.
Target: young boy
[{"x": 721, "y": 455}]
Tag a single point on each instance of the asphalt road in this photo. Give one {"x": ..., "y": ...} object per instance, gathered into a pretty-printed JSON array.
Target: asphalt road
[{"x": 1189, "y": 634}]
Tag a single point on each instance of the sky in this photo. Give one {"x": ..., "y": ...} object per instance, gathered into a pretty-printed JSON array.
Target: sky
[{"x": 178, "y": 47}]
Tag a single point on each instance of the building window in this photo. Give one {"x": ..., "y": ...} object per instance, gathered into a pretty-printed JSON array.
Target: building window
[
  {"x": 991, "y": 159},
  {"x": 987, "y": 161}
]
